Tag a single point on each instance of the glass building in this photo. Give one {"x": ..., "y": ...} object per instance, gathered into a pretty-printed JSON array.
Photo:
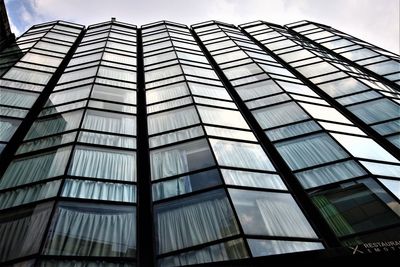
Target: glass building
[{"x": 211, "y": 145}]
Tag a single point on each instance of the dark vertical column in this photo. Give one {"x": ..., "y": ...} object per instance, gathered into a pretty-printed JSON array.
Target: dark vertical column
[
  {"x": 348, "y": 61},
  {"x": 391, "y": 148},
  {"x": 321, "y": 227},
  {"x": 12, "y": 146},
  {"x": 145, "y": 229}
]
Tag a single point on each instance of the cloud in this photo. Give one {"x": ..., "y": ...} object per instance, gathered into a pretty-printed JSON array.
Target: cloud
[{"x": 375, "y": 23}]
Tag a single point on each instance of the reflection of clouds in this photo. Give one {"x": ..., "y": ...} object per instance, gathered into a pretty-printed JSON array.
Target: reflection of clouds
[{"x": 353, "y": 17}]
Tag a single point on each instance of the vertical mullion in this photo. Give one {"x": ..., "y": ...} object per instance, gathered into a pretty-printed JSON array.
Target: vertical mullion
[{"x": 145, "y": 226}]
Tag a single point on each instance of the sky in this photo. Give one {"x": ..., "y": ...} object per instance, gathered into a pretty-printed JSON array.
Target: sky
[{"x": 375, "y": 21}]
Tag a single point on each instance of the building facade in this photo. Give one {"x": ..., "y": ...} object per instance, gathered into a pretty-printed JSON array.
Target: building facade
[{"x": 212, "y": 145}]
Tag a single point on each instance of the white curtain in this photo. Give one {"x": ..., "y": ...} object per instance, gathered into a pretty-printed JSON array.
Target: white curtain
[
  {"x": 35, "y": 168},
  {"x": 309, "y": 151},
  {"x": 330, "y": 174},
  {"x": 54, "y": 140},
  {"x": 279, "y": 115},
  {"x": 55, "y": 124},
  {"x": 209, "y": 91},
  {"x": 107, "y": 139},
  {"x": 253, "y": 179},
  {"x": 104, "y": 163},
  {"x": 166, "y": 93},
  {"x": 21, "y": 235},
  {"x": 176, "y": 136},
  {"x": 377, "y": 110},
  {"x": 119, "y": 74},
  {"x": 110, "y": 122},
  {"x": 74, "y": 263},
  {"x": 193, "y": 222},
  {"x": 292, "y": 130},
  {"x": 7, "y": 129},
  {"x": 282, "y": 217},
  {"x": 243, "y": 155},
  {"x": 17, "y": 98},
  {"x": 99, "y": 190},
  {"x": 86, "y": 231},
  {"x": 28, "y": 194},
  {"x": 172, "y": 120},
  {"x": 172, "y": 188},
  {"x": 166, "y": 163},
  {"x": 230, "y": 250}
]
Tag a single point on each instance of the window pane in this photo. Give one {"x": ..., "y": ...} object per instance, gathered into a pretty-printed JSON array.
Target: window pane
[
  {"x": 310, "y": 150},
  {"x": 175, "y": 136},
  {"x": 222, "y": 117},
  {"x": 253, "y": 179},
  {"x": 186, "y": 184},
  {"x": 35, "y": 168},
  {"x": 271, "y": 214},
  {"x": 41, "y": 59},
  {"x": 46, "y": 142},
  {"x": 271, "y": 247},
  {"x": 119, "y": 74},
  {"x": 162, "y": 73},
  {"x": 343, "y": 87},
  {"x": 330, "y": 174},
  {"x": 55, "y": 124},
  {"x": 209, "y": 213},
  {"x": 230, "y": 250},
  {"x": 107, "y": 139},
  {"x": 110, "y": 122},
  {"x": 259, "y": 89},
  {"x": 174, "y": 119},
  {"x": 174, "y": 160},
  {"x": 243, "y": 155},
  {"x": 166, "y": 92},
  {"x": 357, "y": 206},
  {"x": 316, "y": 69},
  {"x": 279, "y": 115},
  {"x": 8, "y": 128},
  {"x": 29, "y": 194},
  {"x": 25, "y": 75},
  {"x": 104, "y": 163},
  {"x": 209, "y": 91},
  {"x": 17, "y": 98},
  {"x": 99, "y": 190},
  {"x": 392, "y": 185},
  {"x": 324, "y": 113},
  {"x": 230, "y": 133},
  {"x": 84, "y": 230},
  {"x": 68, "y": 95},
  {"x": 292, "y": 130},
  {"x": 114, "y": 94},
  {"x": 21, "y": 231},
  {"x": 377, "y": 110},
  {"x": 364, "y": 147}
]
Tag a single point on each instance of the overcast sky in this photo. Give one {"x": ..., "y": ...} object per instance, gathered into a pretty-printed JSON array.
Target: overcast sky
[{"x": 376, "y": 21}]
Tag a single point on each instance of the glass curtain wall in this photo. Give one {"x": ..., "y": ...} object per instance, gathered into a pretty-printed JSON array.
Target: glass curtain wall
[
  {"x": 371, "y": 101},
  {"x": 325, "y": 150},
  {"x": 378, "y": 60},
  {"x": 80, "y": 151},
  {"x": 214, "y": 187},
  {"x": 26, "y": 67}
]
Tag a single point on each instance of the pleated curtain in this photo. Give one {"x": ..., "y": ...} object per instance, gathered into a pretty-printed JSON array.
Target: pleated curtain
[
  {"x": 104, "y": 163},
  {"x": 198, "y": 222},
  {"x": 21, "y": 236},
  {"x": 309, "y": 151},
  {"x": 99, "y": 190},
  {"x": 87, "y": 232}
]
